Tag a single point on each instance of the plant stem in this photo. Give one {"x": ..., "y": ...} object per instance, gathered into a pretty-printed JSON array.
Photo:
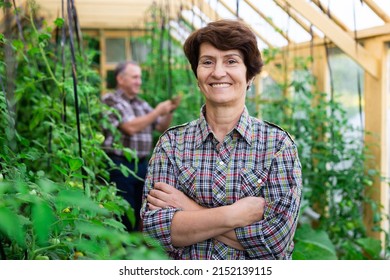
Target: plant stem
[
  {"x": 41, "y": 50},
  {"x": 37, "y": 251}
]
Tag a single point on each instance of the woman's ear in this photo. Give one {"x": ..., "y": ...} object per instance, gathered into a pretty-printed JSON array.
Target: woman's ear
[{"x": 248, "y": 86}]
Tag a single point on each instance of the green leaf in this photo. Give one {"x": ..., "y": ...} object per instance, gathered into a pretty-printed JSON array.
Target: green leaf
[
  {"x": 129, "y": 154},
  {"x": 90, "y": 172},
  {"x": 131, "y": 216},
  {"x": 75, "y": 163},
  {"x": 79, "y": 175},
  {"x": 370, "y": 246},
  {"x": 32, "y": 154},
  {"x": 91, "y": 249},
  {"x": 313, "y": 244},
  {"x": 95, "y": 229},
  {"x": 311, "y": 251},
  {"x": 60, "y": 169},
  {"x": 102, "y": 194},
  {"x": 42, "y": 217},
  {"x": 44, "y": 37},
  {"x": 351, "y": 251},
  {"x": 59, "y": 22},
  {"x": 33, "y": 51},
  {"x": 113, "y": 207},
  {"x": 2, "y": 38},
  {"x": 11, "y": 226},
  {"x": 128, "y": 172},
  {"x": 5, "y": 187},
  {"x": 17, "y": 44},
  {"x": 48, "y": 186},
  {"x": 76, "y": 198},
  {"x": 114, "y": 223}
]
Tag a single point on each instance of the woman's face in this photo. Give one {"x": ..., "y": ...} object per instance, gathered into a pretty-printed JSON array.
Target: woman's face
[{"x": 222, "y": 75}]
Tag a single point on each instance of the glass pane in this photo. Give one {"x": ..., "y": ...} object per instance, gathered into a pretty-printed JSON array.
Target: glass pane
[
  {"x": 268, "y": 102},
  {"x": 353, "y": 13},
  {"x": 139, "y": 49},
  {"x": 115, "y": 50},
  {"x": 348, "y": 83}
]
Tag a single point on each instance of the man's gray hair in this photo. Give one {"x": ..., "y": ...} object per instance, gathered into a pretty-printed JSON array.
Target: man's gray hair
[{"x": 122, "y": 66}]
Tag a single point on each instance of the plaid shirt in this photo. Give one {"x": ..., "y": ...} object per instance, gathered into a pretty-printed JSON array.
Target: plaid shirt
[
  {"x": 128, "y": 109},
  {"x": 256, "y": 159}
]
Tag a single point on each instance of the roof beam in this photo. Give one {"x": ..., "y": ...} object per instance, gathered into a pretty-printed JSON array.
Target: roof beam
[
  {"x": 377, "y": 10},
  {"x": 338, "y": 36},
  {"x": 381, "y": 30},
  {"x": 255, "y": 31},
  {"x": 188, "y": 22},
  {"x": 208, "y": 10},
  {"x": 268, "y": 20},
  {"x": 294, "y": 16},
  {"x": 204, "y": 10},
  {"x": 334, "y": 18},
  {"x": 227, "y": 7}
]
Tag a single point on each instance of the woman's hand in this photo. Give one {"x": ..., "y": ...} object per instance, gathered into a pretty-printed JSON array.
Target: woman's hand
[
  {"x": 243, "y": 212},
  {"x": 247, "y": 210},
  {"x": 164, "y": 195}
]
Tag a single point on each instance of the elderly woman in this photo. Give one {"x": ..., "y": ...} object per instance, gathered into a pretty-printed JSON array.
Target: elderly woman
[{"x": 227, "y": 185}]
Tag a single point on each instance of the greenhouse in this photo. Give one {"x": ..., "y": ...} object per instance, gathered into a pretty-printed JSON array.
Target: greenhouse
[{"x": 324, "y": 82}]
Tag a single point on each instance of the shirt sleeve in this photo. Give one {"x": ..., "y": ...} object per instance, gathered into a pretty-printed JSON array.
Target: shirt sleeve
[
  {"x": 148, "y": 109},
  {"x": 272, "y": 237},
  {"x": 121, "y": 111},
  {"x": 157, "y": 223}
]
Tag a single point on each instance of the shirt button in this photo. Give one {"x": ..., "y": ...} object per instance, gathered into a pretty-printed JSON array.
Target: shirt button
[
  {"x": 259, "y": 181},
  {"x": 221, "y": 163}
]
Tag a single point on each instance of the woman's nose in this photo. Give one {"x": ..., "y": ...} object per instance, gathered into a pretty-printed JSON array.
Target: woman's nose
[{"x": 219, "y": 70}]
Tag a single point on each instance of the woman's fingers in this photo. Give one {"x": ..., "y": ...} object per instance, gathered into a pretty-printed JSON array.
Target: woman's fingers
[
  {"x": 169, "y": 196},
  {"x": 156, "y": 198},
  {"x": 163, "y": 187},
  {"x": 153, "y": 207},
  {"x": 156, "y": 193}
]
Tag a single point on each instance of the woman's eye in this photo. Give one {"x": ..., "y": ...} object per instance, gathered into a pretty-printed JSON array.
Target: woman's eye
[
  {"x": 206, "y": 63},
  {"x": 232, "y": 61}
]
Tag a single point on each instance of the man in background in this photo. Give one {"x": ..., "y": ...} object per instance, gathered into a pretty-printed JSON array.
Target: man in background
[{"x": 135, "y": 120}]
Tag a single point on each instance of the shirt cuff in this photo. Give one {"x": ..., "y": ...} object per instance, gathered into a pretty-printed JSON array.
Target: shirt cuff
[{"x": 157, "y": 224}]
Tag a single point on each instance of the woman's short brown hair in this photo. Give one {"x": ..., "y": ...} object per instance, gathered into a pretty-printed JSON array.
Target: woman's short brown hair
[{"x": 226, "y": 35}]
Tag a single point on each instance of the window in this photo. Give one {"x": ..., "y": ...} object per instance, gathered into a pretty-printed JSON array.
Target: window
[
  {"x": 115, "y": 50},
  {"x": 118, "y": 46}
]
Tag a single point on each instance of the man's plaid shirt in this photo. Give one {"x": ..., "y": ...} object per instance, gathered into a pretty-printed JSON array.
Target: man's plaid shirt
[
  {"x": 128, "y": 109},
  {"x": 255, "y": 159}
]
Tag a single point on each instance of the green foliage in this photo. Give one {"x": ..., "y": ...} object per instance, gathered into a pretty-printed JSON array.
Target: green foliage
[
  {"x": 55, "y": 201},
  {"x": 167, "y": 73},
  {"x": 334, "y": 162},
  {"x": 313, "y": 245}
]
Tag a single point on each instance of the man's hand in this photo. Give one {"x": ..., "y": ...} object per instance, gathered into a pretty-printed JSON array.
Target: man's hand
[{"x": 165, "y": 107}]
